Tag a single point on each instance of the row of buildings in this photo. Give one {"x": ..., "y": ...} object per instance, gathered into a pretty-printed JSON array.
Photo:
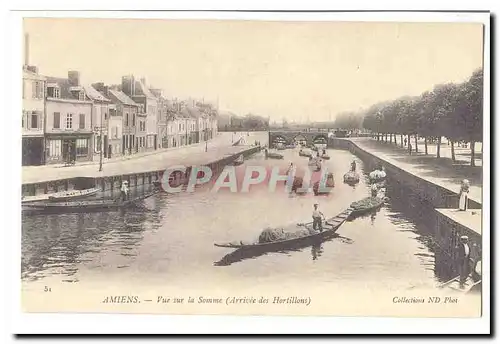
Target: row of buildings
[{"x": 65, "y": 121}]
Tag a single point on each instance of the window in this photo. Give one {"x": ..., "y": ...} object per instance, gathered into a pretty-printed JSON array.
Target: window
[
  {"x": 37, "y": 90},
  {"x": 22, "y": 120},
  {"x": 126, "y": 119},
  {"x": 24, "y": 89},
  {"x": 57, "y": 92},
  {"x": 34, "y": 121},
  {"x": 82, "y": 121},
  {"x": 57, "y": 120},
  {"x": 54, "y": 148},
  {"x": 133, "y": 120},
  {"x": 69, "y": 121},
  {"x": 106, "y": 115},
  {"x": 82, "y": 147},
  {"x": 115, "y": 129},
  {"x": 81, "y": 95}
]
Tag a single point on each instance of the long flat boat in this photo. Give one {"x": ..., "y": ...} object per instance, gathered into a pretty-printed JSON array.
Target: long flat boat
[
  {"x": 330, "y": 226},
  {"x": 73, "y": 194},
  {"x": 84, "y": 206},
  {"x": 376, "y": 203},
  {"x": 470, "y": 285}
]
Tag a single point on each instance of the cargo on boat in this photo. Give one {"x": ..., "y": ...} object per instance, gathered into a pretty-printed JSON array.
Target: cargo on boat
[{"x": 271, "y": 239}]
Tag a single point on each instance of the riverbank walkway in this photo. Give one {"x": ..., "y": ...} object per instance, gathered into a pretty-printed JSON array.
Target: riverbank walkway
[
  {"x": 442, "y": 171},
  {"x": 217, "y": 148}
]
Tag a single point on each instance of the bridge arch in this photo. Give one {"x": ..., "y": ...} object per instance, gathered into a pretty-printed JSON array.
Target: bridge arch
[
  {"x": 320, "y": 139},
  {"x": 278, "y": 139},
  {"x": 300, "y": 138}
]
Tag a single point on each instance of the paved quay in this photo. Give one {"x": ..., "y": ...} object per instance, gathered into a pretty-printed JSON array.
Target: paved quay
[
  {"x": 438, "y": 171},
  {"x": 218, "y": 148},
  {"x": 471, "y": 218}
]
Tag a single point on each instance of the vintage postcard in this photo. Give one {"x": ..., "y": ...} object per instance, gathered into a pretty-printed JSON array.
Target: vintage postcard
[{"x": 255, "y": 165}]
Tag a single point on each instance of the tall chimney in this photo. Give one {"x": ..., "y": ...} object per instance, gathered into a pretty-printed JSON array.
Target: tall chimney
[
  {"x": 74, "y": 78},
  {"x": 26, "y": 49}
]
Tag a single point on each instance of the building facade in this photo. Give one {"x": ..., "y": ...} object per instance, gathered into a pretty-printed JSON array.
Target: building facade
[
  {"x": 33, "y": 117},
  {"x": 127, "y": 109},
  {"x": 68, "y": 128},
  {"x": 141, "y": 94}
]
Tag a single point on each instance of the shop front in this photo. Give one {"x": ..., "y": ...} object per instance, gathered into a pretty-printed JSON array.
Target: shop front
[
  {"x": 32, "y": 150},
  {"x": 68, "y": 148}
]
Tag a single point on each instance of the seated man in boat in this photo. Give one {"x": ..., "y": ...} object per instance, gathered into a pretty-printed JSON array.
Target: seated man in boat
[
  {"x": 374, "y": 190},
  {"x": 124, "y": 191},
  {"x": 317, "y": 216}
]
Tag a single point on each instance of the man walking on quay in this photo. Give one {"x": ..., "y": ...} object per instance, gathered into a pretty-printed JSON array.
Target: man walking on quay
[
  {"x": 317, "y": 216},
  {"x": 463, "y": 259},
  {"x": 410, "y": 147}
]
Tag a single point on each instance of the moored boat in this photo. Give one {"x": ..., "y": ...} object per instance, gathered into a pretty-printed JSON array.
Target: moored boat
[
  {"x": 295, "y": 234},
  {"x": 73, "y": 194},
  {"x": 325, "y": 157},
  {"x": 84, "y": 206}
]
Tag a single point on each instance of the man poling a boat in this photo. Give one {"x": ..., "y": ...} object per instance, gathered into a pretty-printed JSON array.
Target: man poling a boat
[
  {"x": 317, "y": 217},
  {"x": 353, "y": 166},
  {"x": 124, "y": 190}
]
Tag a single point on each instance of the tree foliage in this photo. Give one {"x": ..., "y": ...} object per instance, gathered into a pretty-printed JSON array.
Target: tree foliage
[{"x": 454, "y": 111}]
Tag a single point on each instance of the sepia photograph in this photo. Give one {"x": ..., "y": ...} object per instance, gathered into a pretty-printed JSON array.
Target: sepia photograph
[{"x": 280, "y": 167}]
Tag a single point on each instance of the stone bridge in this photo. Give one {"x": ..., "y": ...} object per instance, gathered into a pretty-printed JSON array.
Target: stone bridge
[{"x": 290, "y": 136}]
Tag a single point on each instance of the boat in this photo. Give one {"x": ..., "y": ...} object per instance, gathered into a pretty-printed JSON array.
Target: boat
[
  {"x": 84, "y": 206},
  {"x": 469, "y": 286},
  {"x": 351, "y": 178},
  {"x": 239, "y": 160},
  {"x": 290, "y": 146},
  {"x": 73, "y": 194},
  {"x": 377, "y": 175},
  {"x": 315, "y": 162},
  {"x": 366, "y": 205},
  {"x": 330, "y": 226},
  {"x": 305, "y": 153},
  {"x": 330, "y": 183},
  {"x": 271, "y": 155},
  {"x": 325, "y": 157}
]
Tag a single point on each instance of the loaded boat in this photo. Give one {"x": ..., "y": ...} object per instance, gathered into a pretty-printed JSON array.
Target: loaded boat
[
  {"x": 351, "y": 178},
  {"x": 305, "y": 153},
  {"x": 330, "y": 183},
  {"x": 377, "y": 175},
  {"x": 292, "y": 235},
  {"x": 366, "y": 205},
  {"x": 239, "y": 160}
]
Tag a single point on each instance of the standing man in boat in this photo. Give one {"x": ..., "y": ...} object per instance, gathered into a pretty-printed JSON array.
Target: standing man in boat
[
  {"x": 353, "y": 166},
  {"x": 124, "y": 191},
  {"x": 463, "y": 259},
  {"x": 317, "y": 216}
]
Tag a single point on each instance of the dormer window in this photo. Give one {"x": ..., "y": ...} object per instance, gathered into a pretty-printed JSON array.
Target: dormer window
[
  {"x": 81, "y": 95},
  {"x": 53, "y": 91},
  {"x": 57, "y": 92}
]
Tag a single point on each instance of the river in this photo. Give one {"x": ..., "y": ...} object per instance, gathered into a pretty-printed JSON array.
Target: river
[{"x": 173, "y": 240}]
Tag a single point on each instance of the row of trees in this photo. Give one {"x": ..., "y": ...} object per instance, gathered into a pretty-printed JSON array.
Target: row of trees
[
  {"x": 348, "y": 120},
  {"x": 454, "y": 111}
]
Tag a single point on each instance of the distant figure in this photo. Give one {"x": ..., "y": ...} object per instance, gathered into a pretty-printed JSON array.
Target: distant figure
[
  {"x": 410, "y": 148},
  {"x": 374, "y": 190},
  {"x": 206, "y": 146},
  {"x": 353, "y": 166},
  {"x": 405, "y": 141},
  {"x": 290, "y": 168},
  {"x": 317, "y": 154},
  {"x": 317, "y": 216},
  {"x": 124, "y": 191},
  {"x": 464, "y": 195},
  {"x": 324, "y": 151},
  {"x": 463, "y": 259}
]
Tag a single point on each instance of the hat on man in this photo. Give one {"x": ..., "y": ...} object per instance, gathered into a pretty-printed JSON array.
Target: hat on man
[{"x": 464, "y": 237}]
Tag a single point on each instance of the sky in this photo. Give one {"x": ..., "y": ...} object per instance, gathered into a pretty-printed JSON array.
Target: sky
[{"x": 298, "y": 70}]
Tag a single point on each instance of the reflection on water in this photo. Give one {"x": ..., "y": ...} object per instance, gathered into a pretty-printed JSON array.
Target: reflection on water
[{"x": 173, "y": 239}]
